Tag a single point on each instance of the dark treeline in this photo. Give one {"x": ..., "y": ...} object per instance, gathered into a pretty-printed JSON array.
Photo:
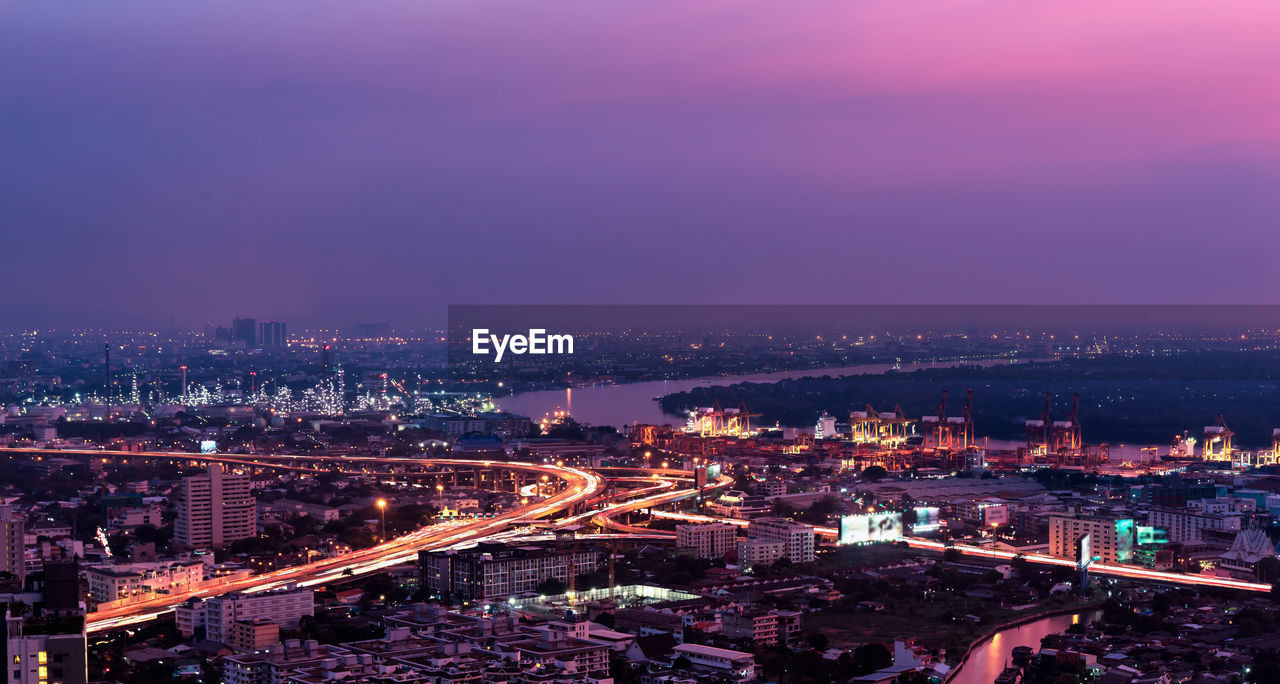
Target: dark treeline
[{"x": 1123, "y": 399}]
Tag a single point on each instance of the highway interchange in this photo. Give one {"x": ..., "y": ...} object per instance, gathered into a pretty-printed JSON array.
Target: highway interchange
[{"x": 580, "y": 489}]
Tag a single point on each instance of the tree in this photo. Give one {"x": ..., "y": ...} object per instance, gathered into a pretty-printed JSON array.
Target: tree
[
  {"x": 682, "y": 663},
  {"x": 870, "y": 657},
  {"x": 818, "y": 512},
  {"x": 874, "y": 473}
]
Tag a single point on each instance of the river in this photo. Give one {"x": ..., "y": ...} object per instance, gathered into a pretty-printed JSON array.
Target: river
[
  {"x": 989, "y": 659},
  {"x": 628, "y": 403}
]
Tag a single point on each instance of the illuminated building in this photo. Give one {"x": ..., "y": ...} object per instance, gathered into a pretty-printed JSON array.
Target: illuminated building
[
  {"x": 218, "y": 615},
  {"x": 253, "y": 634},
  {"x": 1184, "y": 525},
  {"x": 710, "y": 540},
  {"x": 797, "y": 539},
  {"x": 753, "y": 552},
  {"x": 44, "y": 650},
  {"x": 215, "y": 509},
  {"x": 1112, "y": 538},
  {"x": 738, "y": 504},
  {"x": 115, "y": 582},
  {"x": 496, "y": 571}
]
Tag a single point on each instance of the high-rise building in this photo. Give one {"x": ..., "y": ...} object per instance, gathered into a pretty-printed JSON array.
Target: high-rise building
[
  {"x": 797, "y": 537},
  {"x": 272, "y": 334},
  {"x": 215, "y": 509},
  {"x": 12, "y": 546},
  {"x": 46, "y": 648},
  {"x": 1110, "y": 539},
  {"x": 245, "y": 330},
  {"x": 710, "y": 540}
]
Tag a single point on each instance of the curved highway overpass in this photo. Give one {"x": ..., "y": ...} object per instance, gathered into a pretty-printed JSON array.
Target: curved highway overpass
[{"x": 580, "y": 486}]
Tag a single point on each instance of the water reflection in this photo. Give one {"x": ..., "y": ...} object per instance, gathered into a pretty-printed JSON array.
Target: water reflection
[
  {"x": 620, "y": 405},
  {"x": 989, "y": 659}
]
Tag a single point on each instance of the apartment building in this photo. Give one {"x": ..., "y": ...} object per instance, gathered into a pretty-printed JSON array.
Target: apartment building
[
  {"x": 253, "y": 634},
  {"x": 215, "y": 509},
  {"x": 43, "y": 651},
  {"x": 1111, "y": 539},
  {"x": 797, "y": 538},
  {"x": 12, "y": 544},
  {"x": 709, "y": 540},
  {"x": 496, "y": 571},
  {"x": 765, "y": 628},
  {"x": 218, "y": 615},
  {"x": 753, "y": 552},
  {"x": 130, "y": 580},
  {"x": 1185, "y": 525}
]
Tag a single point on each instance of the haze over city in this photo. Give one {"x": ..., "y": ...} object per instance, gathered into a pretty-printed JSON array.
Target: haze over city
[{"x": 173, "y": 163}]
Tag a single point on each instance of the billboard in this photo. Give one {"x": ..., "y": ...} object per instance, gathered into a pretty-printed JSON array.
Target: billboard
[
  {"x": 1126, "y": 534},
  {"x": 1084, "y": 551},
  {"x": 208, "y": 446},
  {"x": 995, "y": 515},
  {"x": 1152, "y": 535},
  {"x": 866, "y": 528},
  {"x": 707, "y": 474},
  {"x": 928, "y": 519}
]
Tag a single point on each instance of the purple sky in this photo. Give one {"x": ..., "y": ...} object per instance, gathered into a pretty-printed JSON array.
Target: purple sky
[{"x": 328, "y": 162}]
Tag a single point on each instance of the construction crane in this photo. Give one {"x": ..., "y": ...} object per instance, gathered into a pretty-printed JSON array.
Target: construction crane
[
  {"x": 714, "y": 421},
  {"x": 1064, "y": 435},
  {"x": 967, "y": 433},
  {"x": 1038, "y": 430},
  {"x": 1217, "y": 441},
  {"x": 937, "y": 433},
  {"x": 895, "y": 427}
]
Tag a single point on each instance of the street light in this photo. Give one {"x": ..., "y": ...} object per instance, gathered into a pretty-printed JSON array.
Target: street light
[{"x": 382, "y": 507}]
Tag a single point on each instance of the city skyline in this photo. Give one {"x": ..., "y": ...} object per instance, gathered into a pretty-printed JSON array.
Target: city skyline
[
  {"x": 636, "y": 342},
  {"x": 347, "y": 163}
]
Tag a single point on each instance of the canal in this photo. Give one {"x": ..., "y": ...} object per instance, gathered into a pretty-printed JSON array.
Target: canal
[{"x": 991, "y": 656}]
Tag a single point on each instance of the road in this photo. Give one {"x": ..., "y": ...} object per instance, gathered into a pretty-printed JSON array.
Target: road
[
  {"x": 1102, "y": 569},
  {"x": 668, "y": 486},
  {"x": 605, "y": 518},
  {"x": 580, "y": 486},
  {"x": 1125, "y": 571}
]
